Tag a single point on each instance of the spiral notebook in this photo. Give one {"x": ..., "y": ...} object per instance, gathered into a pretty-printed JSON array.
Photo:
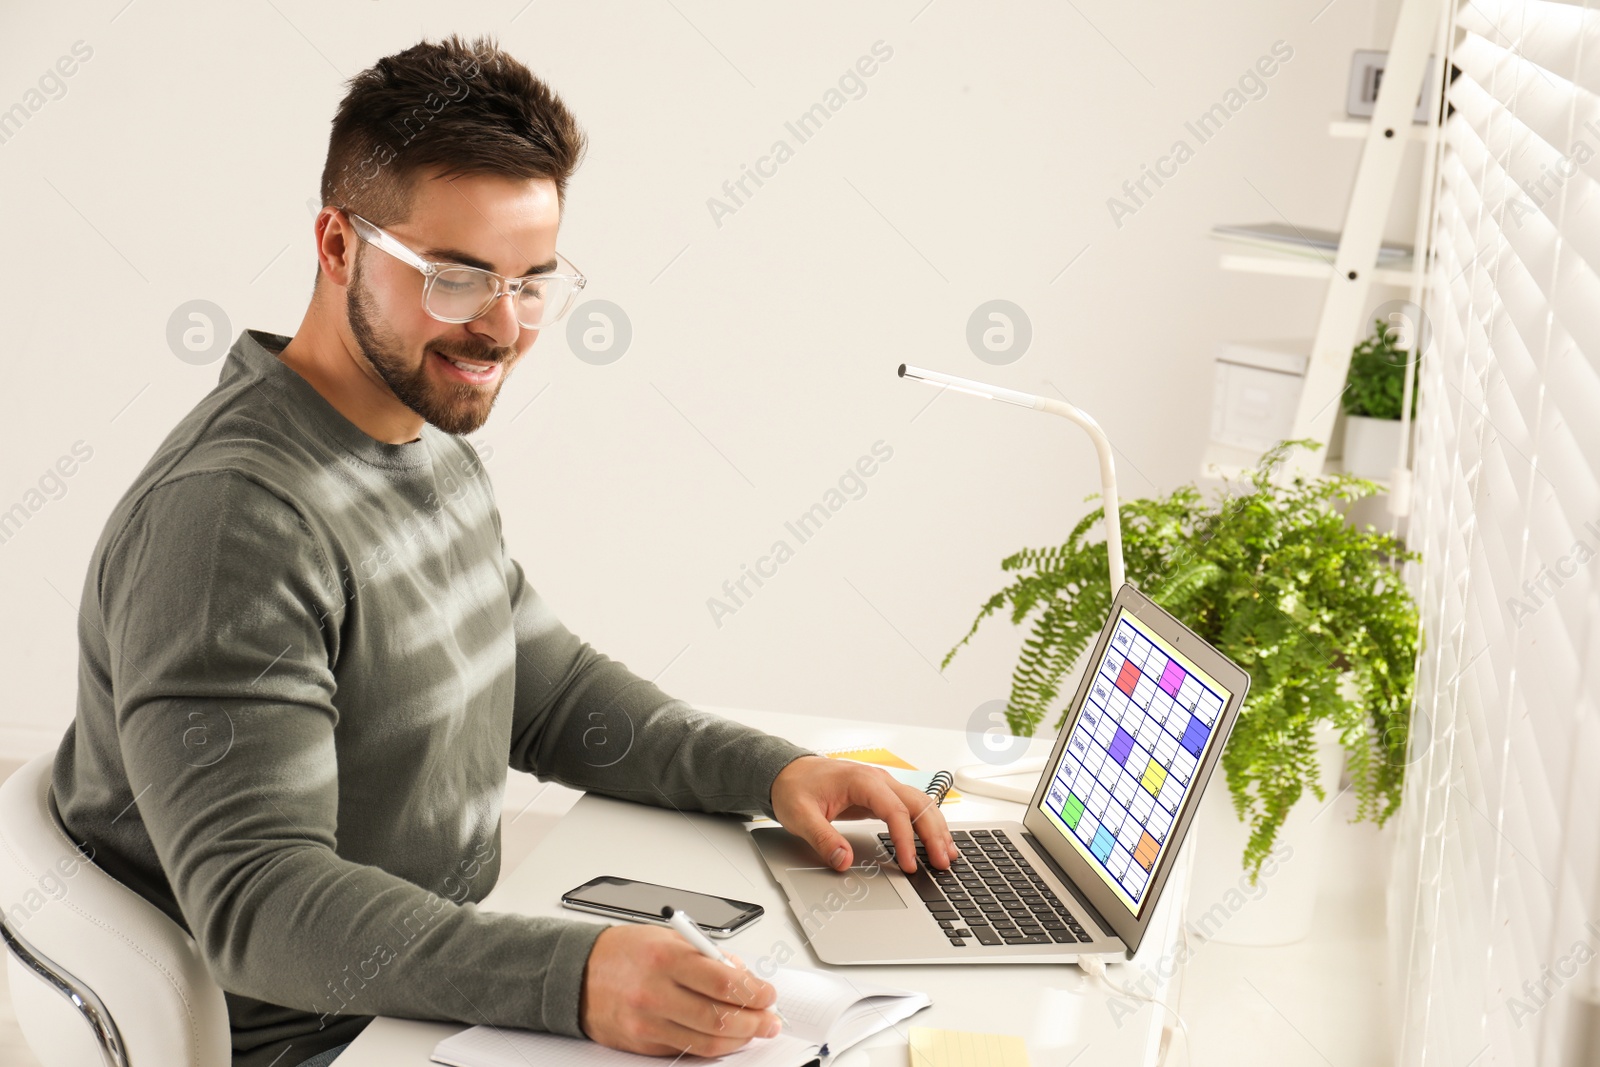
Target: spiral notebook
[{"x": 826, "y": 1014}]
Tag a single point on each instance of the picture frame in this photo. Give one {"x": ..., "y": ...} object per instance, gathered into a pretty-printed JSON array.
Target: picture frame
[{"x": 1366, "y": 74}]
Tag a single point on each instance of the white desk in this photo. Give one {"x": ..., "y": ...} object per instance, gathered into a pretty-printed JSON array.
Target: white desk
[{"x": 1056, "y": 1009}]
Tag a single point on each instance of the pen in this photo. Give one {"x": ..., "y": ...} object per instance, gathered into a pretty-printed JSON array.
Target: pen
[{"x": 679, "y": 920}]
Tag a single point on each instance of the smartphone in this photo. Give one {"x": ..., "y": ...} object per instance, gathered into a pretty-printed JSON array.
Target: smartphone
[{"x": 624, "y": 898}]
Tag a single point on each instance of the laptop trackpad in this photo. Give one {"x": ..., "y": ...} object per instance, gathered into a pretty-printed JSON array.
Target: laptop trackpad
[{"x": 855, "y": 890}]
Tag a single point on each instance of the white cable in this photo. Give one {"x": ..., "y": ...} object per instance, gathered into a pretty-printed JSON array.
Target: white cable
[{"x": 1095, "y": 968}]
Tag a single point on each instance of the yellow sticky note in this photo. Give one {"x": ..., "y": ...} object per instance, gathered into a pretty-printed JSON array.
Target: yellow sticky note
[{"x": 965, "y": 1048}]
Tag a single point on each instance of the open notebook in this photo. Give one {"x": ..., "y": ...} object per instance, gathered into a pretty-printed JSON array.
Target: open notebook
[{"x": 826, "y": 1014}]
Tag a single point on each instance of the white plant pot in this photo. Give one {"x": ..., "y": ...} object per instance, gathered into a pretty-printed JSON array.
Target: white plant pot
[
  {"x": 1277, "y": 910},
  {"x": 1371, "y": 446}
]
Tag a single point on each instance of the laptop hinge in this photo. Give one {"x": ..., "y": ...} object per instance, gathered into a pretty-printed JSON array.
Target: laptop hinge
[{"x": 1061, "y": 875}]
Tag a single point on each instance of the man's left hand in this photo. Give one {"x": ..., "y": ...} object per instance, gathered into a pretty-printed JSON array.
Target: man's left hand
[{"x": 812, "y": 791}]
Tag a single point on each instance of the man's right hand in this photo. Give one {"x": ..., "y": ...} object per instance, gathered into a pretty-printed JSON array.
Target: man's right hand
[{"x": 646, "y": 990}]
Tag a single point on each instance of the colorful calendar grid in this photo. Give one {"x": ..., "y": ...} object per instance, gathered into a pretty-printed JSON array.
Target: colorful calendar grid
[{"x": 1132, "y": 755}]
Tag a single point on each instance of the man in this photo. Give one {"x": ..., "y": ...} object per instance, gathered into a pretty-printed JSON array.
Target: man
[{"x": 307, "y": 659}]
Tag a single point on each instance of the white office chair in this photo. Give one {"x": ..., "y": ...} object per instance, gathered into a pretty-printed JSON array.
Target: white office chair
[{"x": 98, "y": 974}]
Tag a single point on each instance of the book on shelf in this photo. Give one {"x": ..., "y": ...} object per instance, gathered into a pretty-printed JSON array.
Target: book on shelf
[{"x": 1307, "y": 241}]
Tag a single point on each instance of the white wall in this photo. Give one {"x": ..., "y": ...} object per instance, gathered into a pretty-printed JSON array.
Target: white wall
[{"x": 977, "y": 166}]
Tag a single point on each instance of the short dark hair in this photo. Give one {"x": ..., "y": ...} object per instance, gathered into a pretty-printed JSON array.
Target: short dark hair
[{"x": 465, "y": 108}]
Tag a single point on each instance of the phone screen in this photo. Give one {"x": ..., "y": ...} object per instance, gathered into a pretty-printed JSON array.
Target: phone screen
[{"x": 645, "y": 898}]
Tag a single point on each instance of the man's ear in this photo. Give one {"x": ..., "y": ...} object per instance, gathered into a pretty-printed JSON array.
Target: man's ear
[{"x": 337, "y": 248}]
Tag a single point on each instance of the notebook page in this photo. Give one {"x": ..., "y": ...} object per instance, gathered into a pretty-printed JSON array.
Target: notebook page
[
  {"x": 498, "y": 1046},
  {"x": 866, "y": 1017},
  {"x": 825, "y": 1008},
  {"x": 811, "y": 1001}
]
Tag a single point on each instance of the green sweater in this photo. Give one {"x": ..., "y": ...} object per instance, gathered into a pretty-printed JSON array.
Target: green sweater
[{"x": 306, "y": 663}]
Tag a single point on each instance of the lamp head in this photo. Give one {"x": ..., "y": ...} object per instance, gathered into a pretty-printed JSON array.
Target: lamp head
[{"x": 1102, "y": 446}]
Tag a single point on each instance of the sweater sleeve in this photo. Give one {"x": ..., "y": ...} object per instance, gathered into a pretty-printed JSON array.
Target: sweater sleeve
[
  {"x": 223, "y": 617},
  {"x": 584, "y": 720}
]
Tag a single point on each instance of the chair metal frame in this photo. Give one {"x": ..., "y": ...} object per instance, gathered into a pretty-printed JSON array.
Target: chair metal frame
[{"x": 113, "y": 1050}]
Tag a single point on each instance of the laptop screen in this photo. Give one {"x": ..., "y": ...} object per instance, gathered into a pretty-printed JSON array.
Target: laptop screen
[{"x": 1129, "y": 764}]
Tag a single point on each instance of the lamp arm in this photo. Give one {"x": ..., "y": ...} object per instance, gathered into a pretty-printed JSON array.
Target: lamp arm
[
  {"x": 1102, "y": 447},
  {"x": 1108, "y": 481}
]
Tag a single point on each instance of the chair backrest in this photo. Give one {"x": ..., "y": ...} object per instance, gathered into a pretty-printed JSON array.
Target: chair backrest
[{"x": 140, "y": 991}]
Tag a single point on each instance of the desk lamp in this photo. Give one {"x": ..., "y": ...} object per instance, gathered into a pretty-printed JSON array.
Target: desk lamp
[{"x": 976, "y": 778}]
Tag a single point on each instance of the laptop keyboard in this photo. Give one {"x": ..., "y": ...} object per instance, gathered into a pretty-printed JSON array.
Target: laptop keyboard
[{"x": 992, "y": 894}]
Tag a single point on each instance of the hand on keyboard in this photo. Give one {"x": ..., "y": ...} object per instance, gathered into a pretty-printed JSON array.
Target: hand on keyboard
[{"x": 812, "y": 791}]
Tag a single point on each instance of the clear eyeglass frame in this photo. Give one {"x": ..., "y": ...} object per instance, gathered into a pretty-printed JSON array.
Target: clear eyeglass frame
[{"x": 566, "y": 280}]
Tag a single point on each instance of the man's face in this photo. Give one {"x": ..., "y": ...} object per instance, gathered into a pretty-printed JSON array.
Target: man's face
[{"x": 504, "y": 225}]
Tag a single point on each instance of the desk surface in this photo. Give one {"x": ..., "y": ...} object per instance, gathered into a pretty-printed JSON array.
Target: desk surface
[{"x": 1056, "y": 1009}]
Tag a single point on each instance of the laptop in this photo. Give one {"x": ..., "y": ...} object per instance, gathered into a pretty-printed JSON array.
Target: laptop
[{"x": 1082, "y": 872}]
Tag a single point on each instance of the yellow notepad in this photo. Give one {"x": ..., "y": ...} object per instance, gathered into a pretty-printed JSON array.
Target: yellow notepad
[
  {"x": 880, "y": 756},
  {"x": 964, "y": 1048}
]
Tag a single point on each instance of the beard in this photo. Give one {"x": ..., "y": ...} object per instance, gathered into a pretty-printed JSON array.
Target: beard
[{"x": 454, "y": 407}]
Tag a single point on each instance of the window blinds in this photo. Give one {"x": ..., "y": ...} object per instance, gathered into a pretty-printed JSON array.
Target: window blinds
[{"x": 1495, "y": 898}]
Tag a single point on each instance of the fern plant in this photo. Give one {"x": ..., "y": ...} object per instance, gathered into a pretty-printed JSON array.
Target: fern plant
[{"x": 1277, "y": 579}]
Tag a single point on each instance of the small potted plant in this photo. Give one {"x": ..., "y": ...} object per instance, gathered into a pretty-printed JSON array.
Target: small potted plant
[
  {"x": 1373, "y": 396},
  {"x": 1274, "y": 577}
]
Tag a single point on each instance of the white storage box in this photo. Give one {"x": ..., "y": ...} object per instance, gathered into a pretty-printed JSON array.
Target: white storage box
[{"x": 1256, "y": 390}]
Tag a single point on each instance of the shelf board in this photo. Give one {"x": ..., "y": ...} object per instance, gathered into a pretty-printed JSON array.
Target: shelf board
[
  {"x": 1357, "y": 129},
  {"x": 1264, "y": 262}
]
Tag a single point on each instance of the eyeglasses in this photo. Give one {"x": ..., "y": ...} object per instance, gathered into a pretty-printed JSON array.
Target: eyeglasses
[{"x": 455, "y": 293}]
